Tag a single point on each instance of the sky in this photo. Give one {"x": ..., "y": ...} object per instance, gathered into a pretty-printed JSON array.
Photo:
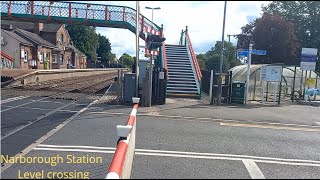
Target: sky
[{"x": 203, "y": 18}]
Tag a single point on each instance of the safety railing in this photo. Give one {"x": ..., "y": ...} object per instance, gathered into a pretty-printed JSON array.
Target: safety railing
[
  {"x": 121, "y": 165},
  {"x": 164, "y": 57},
  {"x": 6, "y": 61},
  {"x": 77, "y": 12},
  {"x": 193, "y": 56}
]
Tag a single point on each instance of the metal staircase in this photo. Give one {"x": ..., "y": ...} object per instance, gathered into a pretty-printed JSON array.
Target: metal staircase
[
  {"x": 181, "y": 75},
  {"x": 183, "y": 69}
]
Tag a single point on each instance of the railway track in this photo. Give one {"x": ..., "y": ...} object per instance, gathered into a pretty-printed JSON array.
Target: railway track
[
  {"x": 68, "y": 88},
  {"x": 75, "y": 91}
]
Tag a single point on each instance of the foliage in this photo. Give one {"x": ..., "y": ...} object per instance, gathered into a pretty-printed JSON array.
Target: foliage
[
  {"x": 85, "y": 39},
  {"x": 104, "y": 50},
  {"x": 213, "y": 63},
  {"x": 127, "y": 60},
  {"x": 211, "y": 59},
  {"x": 274, "y": 34},
  {"x": 305, "y": 15},
  {"x": 202, "y": 61}
]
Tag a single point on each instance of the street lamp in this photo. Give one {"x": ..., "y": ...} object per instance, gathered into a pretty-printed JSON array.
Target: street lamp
[
  {"x": 151, "y": 63},
  {"x": 221, "y": 59},
  {"x": 156, "y": 8}
]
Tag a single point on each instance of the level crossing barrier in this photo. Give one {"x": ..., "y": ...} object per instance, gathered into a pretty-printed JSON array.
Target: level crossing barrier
[{"x": 121, "y": 164}]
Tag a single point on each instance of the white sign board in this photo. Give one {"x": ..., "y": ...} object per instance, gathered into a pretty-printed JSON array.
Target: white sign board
[
  {"x": 308, "y": 59},
  {"x": 22, "y": 53},
  {"x": 161, "y": 75},
  {"x": 271, "y": 73}
]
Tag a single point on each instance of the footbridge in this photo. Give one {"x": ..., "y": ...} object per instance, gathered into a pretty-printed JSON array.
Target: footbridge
[{"x": 99, "y": 15}]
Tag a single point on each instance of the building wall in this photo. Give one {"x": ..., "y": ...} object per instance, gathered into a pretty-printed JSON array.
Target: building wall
[
  {"x": 23, "y": 64},
  {"x": 57, "y": 64},
  {"x": 45, "y": 50},
  {"x": 12, "y": 48}
]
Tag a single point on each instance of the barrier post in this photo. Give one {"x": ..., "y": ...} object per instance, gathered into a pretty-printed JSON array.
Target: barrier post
[{"x": 121, "y": 164}]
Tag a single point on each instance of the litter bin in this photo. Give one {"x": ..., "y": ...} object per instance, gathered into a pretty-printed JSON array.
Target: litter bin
[{"x": 238, "y": 92}]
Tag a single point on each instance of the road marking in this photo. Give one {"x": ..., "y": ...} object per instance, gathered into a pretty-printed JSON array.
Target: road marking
[
  {"x": 265, "y": 126},
  {"x": 38, "y": 119},
  {"x": 32, "y": 101},
  {"x": 253, "y": 169},
  {"x": 212, "y": 119},
  {"x": 195, "y": 155},
  {"x": 13, "y": 99},
  {"x": 179, "y": 152},
  {"x": 81, "y": 147},
  {"x": 43, "y": 109},
  {"x": 50, "y": 133}
]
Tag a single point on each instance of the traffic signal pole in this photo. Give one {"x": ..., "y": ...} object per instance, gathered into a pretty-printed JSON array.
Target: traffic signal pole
[
  {"x": 150, "y": 80},
  {"x": 153, "y": 42},
  {"x": 137, "y": 48}
]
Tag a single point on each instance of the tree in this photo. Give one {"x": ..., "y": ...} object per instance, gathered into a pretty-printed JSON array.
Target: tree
[
  {"x": 127, "y": 60},
  {"x": 202, "y": 61},
  {"x": 230, "y": 58},
  {"x": 305, "y": 15},
  {"x": 111, "y": 58},
  {"x": 213, "y": 63},
  {"x": 85, "y": 39},
  {"x": 104, "y": 49},
  {"x": 274, "y": 34}
]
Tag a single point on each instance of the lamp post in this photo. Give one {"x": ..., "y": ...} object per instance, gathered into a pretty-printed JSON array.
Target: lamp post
[
  {"x": 221, "y": 59},
  {"x": 137, "y": 47},
  {"x": 156, "y": 8},
  {"x": 151, "y": 63}
]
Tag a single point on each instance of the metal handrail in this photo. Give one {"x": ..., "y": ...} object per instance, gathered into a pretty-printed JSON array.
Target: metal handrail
[
  {"x": 69, "y": 9},
  {"x": 194, "y": 58}
]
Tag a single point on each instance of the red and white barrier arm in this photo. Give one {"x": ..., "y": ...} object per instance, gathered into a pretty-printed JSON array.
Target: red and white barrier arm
[{"x": 124, "y": 132}]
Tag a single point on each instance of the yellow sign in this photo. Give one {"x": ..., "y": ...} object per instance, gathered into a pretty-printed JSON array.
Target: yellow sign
[{"x": 310, "y": 81}]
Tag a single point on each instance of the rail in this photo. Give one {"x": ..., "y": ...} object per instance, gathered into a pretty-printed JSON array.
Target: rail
[
  {"x": 6, "y": 61},
  {"x": 164, "y": 56},
  {"x": 77, "y": 13},
  {"x": 122, "y": 161},
  {"x": 194, "y": 58}
]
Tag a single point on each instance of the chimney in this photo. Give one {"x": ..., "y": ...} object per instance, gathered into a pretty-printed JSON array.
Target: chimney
[{"x": 38, "y": 26}]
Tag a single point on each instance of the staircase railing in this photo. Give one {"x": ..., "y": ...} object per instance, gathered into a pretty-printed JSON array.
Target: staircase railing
[
  {"x": 6, "y": 61},
  {"x": 193, "y": 55},
  {"x": 164, "y": 57}
]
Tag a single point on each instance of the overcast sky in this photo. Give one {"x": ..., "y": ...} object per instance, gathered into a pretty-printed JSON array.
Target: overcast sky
[{"x": 203, "y": 18}]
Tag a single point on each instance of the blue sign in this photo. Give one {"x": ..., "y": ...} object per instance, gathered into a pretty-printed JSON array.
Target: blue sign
[
  {"x": 242, "y": 53},
  {"x": 308, "y": 58},
  {"x": 259, "y": 52}
]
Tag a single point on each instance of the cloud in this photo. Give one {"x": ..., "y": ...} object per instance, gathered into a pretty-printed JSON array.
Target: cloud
[{"x": 203, "y": 18}]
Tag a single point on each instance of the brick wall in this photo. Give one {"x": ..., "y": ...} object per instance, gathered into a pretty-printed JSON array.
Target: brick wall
[
  {"x": 47, "y": 52},
  {"x": 23, "y": 64}
]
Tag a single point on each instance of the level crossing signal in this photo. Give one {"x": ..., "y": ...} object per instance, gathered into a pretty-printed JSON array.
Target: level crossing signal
[{"x": 154, "y": 41}]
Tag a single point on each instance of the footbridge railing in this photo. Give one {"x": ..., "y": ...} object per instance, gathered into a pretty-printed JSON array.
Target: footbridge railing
[
  {"x": 185, "y": 41},
  {"x": 89, "y": 14},
  {"x": 76, "y": 13}
]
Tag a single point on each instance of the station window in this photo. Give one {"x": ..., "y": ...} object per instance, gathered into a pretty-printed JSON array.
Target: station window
[
  {"x": 61, "y": 58},
  {"x": 25, "y": 56},
  {"x": 54, "y": 58}
]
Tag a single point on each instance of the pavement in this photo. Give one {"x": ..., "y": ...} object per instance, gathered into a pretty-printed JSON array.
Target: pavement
[{"x": 187, "y": 138}]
